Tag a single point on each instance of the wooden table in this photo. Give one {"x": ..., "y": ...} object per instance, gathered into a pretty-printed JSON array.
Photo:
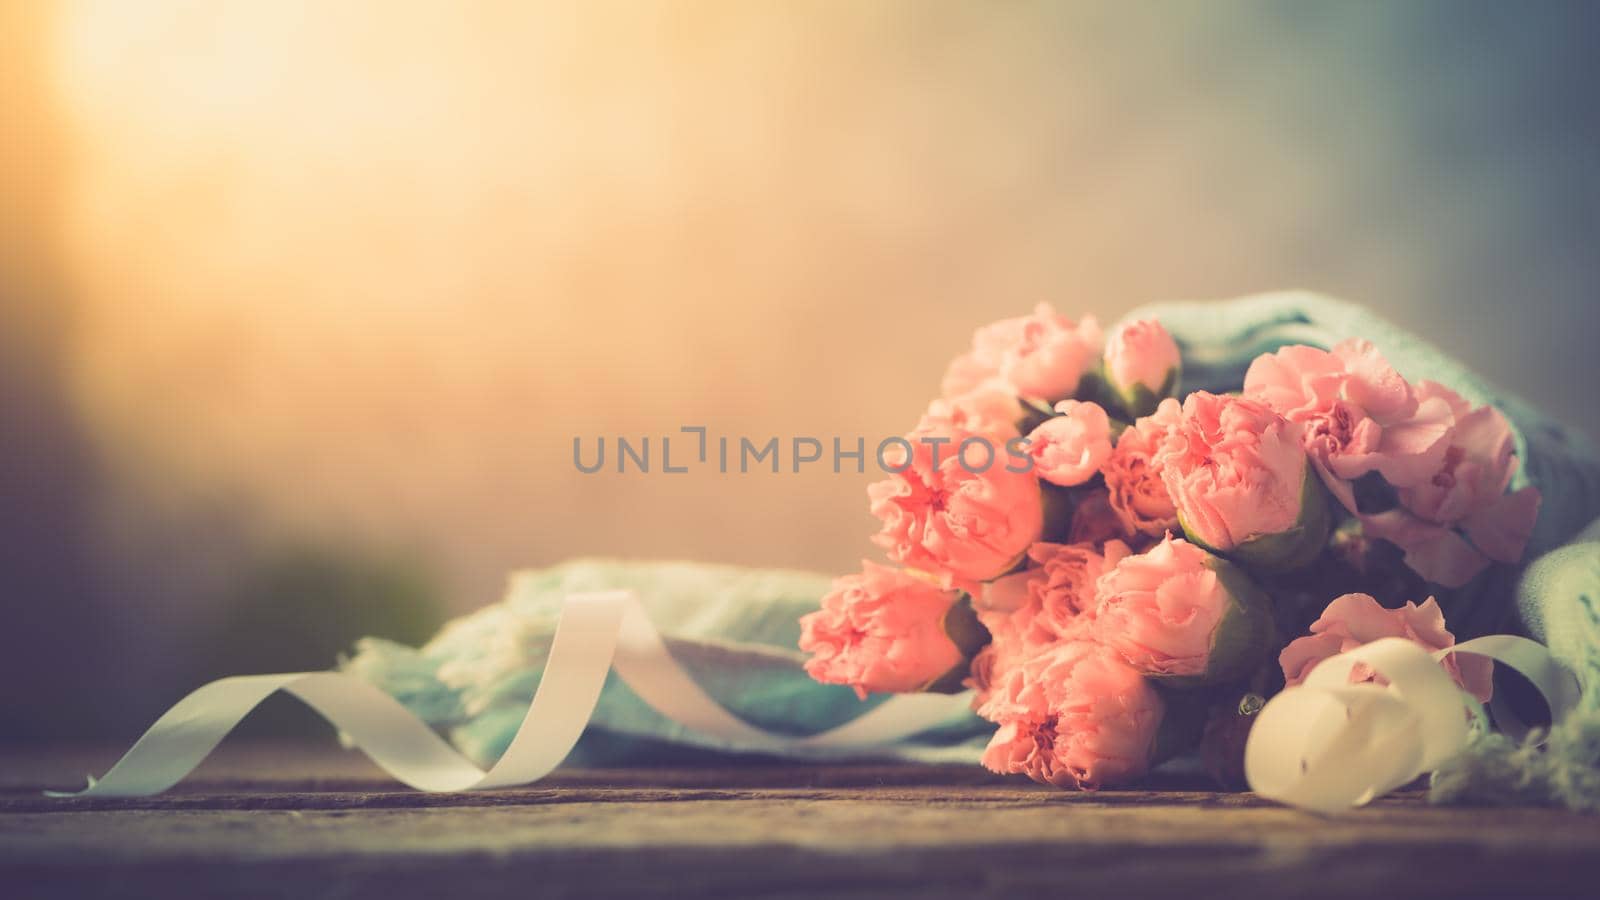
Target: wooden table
[{"x": 308, "y": 820}]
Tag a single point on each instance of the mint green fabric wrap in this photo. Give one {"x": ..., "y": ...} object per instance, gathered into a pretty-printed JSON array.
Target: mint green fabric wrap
[
  {"x": 735, "y": 630},
  {"x": 1560, "y": 600}
]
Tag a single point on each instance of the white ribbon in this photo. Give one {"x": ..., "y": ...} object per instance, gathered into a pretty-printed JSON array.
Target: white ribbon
[
  {"x": 595, "y": 633},
  {"x": 1327, "y": 745}
]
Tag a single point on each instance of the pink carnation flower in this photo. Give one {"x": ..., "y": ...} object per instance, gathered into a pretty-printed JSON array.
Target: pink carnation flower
[
  {"x": 1234, "y": 469},
  {"x": 1475, "y": 468},
  {"x": 1356, "y": 619},
  {"x": 989, "y": 408},
  {"x": 1068, "y": 449},
  {"x": 1041, "y": 357},
  {"x": 1161, "y": 609},
  {"x": 961, "y": 520},
  {"x": 1141, "y": 354},
  {"x": 1357, "y": 414},
  {"x": 1137, "y": 492},
  {"x": 1049, "y": 602},
  {"x": 1075, "y": 715},
  {"x": 1460, "y": 517},
  {"x": 1450, "y": 463},
  {"x": 881, "y": 630}
]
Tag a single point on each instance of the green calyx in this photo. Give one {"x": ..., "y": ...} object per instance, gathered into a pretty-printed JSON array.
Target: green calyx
[
  {"x": 961, "y": 625},
  {"x": 1245, "y": 635},
  {"x": 1286, "y": 550},
  {"x": 1034, "y": 414},
  {"x": 1136, "y": 400}
]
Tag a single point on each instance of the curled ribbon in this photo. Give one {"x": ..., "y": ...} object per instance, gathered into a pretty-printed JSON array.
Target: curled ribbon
[
  {"x": 597, "y": 632},
  {"x": 1328, "y": 745}
]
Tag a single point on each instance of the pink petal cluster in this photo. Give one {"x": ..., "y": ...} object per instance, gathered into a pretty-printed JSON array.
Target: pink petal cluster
[
  {"x": 1074, "y": 715},
  {"x": 1356, "y": 619},
  {"x": 1452, "y": 524},
  {"x": 880, "y": 630},
  {"x": 1137, "y": 492},
  {"x": 1450, "y": 463},
  {"x": 1040, "y": 357},
  {"x": 1052, "y": 601},
  {"x": 1234, "y": 468},
  {"x": 1141, "y": 353},
  {"x": 1069, "y": 449},
  {"x": 1161, "y": 609},
  {"x": 1357, "y": 414},
  {"x": 963, "y": 523}
]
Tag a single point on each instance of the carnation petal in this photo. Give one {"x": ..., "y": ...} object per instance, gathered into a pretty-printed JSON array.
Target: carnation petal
[
  {"x": 1435, "y": 552},
  {"x": 1501, "y": 529}
]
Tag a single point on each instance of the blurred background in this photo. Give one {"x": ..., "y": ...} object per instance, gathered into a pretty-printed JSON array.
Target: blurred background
[{"x": 302, "y": 304}]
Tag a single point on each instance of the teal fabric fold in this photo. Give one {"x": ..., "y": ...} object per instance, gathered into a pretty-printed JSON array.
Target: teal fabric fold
[
  {"x": 1559, "y": 597},
  {"x": 735, "y": 629}
]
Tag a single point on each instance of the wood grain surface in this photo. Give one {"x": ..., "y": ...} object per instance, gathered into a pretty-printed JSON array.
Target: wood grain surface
[{"x": 266, "y": 819}]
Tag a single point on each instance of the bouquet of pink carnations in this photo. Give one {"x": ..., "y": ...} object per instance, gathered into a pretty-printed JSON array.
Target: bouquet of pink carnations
[{"x": 1123, "y": 576}]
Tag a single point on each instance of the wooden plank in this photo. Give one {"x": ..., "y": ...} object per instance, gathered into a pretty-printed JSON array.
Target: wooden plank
[{"x": 254, "y": 825}]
